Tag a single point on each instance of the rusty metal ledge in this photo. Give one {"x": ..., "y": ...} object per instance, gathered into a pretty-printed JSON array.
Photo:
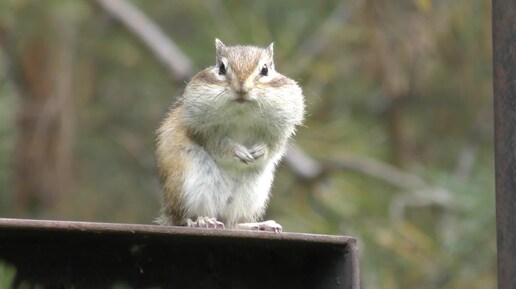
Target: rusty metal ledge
[{"x": 63, "y": 254}]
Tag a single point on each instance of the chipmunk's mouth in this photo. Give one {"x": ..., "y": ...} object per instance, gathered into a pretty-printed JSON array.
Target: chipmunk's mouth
[
  {"x": 242, "y": 96},
  {"x": 241, "y": 100}
]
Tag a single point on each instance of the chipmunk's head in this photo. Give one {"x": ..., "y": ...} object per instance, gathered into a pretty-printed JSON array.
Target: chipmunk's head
[
  {"x": 243, "y": 68},
  {"x": 241, "y": 71},
  {"x": 243, "y": 81}
]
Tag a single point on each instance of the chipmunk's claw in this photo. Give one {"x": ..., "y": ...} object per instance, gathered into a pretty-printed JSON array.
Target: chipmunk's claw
[
  {"x": 243, "y": 154},
  {"x": 205, "y": 222},
  {"x": 268, "y": 226},
  {"x": 257, "y": 151}
]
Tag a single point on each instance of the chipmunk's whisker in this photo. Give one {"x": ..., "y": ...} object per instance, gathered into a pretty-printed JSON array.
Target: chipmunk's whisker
[
  {"x": 220, "y": 93},
  {"x": 260, "y": 106},
  {"x": 266, "y": 111}
]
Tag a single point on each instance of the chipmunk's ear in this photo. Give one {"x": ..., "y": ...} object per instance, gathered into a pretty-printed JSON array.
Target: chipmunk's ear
[
  {"x": 270, "y": 50},
  {"x": 220, "y": 47}
]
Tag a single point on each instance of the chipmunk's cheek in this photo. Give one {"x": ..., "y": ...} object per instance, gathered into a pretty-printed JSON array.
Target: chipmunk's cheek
[
  {"x": 252, "y": 95},
  {"x": 263, "y": 80}
]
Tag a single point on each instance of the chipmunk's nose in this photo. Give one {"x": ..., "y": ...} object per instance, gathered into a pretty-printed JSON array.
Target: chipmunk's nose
[
  {"x": 243, "y": 89},
  {"x": 241, "y": 92}
]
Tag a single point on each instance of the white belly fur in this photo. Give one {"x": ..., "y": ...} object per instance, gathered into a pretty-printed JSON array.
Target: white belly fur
[{"x": 228, "y": 194}]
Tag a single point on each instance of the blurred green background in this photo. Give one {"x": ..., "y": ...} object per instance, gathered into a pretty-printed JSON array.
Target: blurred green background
[{"x": 399, "y": 100}]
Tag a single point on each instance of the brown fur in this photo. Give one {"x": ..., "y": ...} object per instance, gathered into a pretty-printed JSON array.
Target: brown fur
[
  {"x": 243, "y": 64},
  {"x": 207, "y": 77},
  {"x": 172, "y": 162},
  {"x": 280, "y": 81},
  {"x": 244, "y": 59}
]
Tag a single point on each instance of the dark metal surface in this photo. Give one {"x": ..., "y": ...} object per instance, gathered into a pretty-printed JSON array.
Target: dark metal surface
[
  {"x": 504, "y": 64},
  {"x": 59, "y": 254}
]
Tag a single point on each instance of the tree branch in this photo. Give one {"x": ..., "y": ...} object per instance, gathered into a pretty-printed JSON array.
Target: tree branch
[
  {"x": 324, "y": 34},
  {"x": 417, "y": 192},
  {"x": 305, "y": 167},
  {"x": 164, "y": 49}
]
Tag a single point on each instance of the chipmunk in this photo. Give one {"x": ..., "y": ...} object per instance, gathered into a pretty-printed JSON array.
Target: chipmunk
[{"x": 218, "y": 146}]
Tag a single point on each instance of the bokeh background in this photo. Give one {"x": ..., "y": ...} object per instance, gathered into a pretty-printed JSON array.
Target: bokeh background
[{"x": 396, "y": 150}]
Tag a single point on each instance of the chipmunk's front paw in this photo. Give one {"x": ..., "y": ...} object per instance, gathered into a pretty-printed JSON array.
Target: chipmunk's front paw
[
  {"x": 205, "y": 222},
  {"x": 269, "y": 226},
  {"x": 258, "y": 151},
  {"x": 243, "y": 154}
]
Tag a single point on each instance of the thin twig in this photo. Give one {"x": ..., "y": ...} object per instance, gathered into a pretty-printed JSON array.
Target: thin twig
[
  {"x": 163, "y": 48},
  {"x": 416, "y": 191},
  {"x": 303, "y": 165},
  {"x": 324, "y": 34}
]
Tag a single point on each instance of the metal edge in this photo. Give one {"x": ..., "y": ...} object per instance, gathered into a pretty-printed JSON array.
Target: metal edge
[
  {"x": 110, "y": 228},
  {"x": 504, "y": 88},
  {"x": 354, "y": 264}
]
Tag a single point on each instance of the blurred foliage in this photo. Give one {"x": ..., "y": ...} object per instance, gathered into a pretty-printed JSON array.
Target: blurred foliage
[
  {"x": 7, "y": 275},
  {"x": 405, "y": 83}
]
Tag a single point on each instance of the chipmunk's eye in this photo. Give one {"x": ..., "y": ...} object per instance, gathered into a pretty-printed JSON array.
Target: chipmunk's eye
[
  {"x": 222, "y": 69},
  {"x": 264, "y": 71}
]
